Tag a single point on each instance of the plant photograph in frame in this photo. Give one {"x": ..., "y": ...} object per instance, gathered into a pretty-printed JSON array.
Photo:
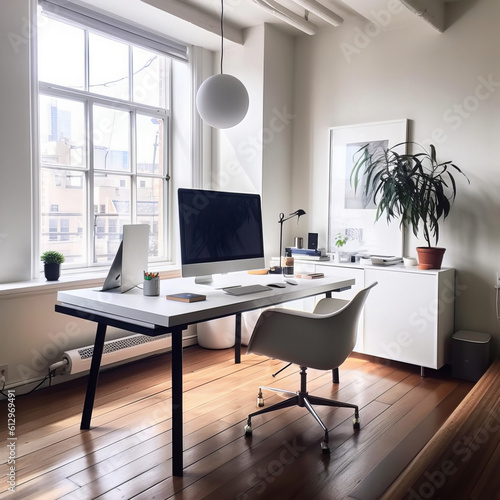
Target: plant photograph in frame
[{"x": 352, "y": 213}]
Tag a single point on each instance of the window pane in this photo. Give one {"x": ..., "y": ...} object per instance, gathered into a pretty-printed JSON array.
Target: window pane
[
  {"x": 149, "y": 145},
  {"x": 108, "y": 67},
  {"x": 63, "y": 220},
  {"x": 150, "y": 211},
  {"x": 62, "y": 132},
  {"x": 112, "y": 198},
  {"x": 61, "y": 54},
  {"x": 93, "y": 139},
  {"x": 149, "y": 71},
  {"x": 111, "y": 139}
]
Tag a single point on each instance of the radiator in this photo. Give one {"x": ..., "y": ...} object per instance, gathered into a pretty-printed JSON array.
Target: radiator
[{"x": 116, "y": 351}]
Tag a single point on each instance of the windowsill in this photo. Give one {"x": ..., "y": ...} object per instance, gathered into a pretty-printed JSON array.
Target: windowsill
[{"x": 72, "y": 280}]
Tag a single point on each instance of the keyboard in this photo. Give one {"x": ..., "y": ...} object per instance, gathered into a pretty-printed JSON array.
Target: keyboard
[{"x": 244, "y": 290}]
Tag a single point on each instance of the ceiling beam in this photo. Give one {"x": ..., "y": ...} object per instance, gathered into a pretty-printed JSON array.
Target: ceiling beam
[
  {"x": 199, "y": 18},
  {"x": 431, "y": 11},
  {"x": 321, "y": 11},
  {"x": 287, "y": 16}
]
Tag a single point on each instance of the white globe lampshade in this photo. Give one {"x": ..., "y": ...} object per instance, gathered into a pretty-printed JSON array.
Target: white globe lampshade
[{"x": 222, "y": 101}]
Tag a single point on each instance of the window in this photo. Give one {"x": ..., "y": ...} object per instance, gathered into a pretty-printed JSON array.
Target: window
[{"x": 104, "y": 141}]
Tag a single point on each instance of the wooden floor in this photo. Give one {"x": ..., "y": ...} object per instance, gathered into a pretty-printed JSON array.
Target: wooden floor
[
  {"x": 127, "y": 452},
  {"x": 462, "y": 459}
]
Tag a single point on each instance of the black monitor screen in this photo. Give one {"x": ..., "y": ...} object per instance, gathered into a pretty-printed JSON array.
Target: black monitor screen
[{"x": 217, "y": 226}]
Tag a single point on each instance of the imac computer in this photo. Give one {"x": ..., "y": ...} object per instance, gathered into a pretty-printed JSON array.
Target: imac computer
[
  {"x": 220, "y": 232},
  {"x": 131, "y": 259}
]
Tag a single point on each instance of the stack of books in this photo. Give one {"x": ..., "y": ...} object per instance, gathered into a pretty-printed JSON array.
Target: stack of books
[
  {"x": 385, "y": 260},
  {"x": 308, "y": 253}
]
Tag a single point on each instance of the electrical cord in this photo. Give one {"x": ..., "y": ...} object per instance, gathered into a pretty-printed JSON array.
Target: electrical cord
[
  {"x": 51, "y": 371},
  {"x": 47, "y": 377}
]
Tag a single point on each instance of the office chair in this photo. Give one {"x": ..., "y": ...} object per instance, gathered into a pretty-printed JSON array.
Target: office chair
[{"x": 321, "y": 340}]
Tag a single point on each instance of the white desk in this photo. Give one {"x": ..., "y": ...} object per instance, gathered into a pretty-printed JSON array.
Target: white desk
[{"x": 153, "y": 316}]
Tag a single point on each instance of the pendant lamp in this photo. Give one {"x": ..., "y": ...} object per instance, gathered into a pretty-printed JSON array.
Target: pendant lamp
[{"x": 222, "y": 100}]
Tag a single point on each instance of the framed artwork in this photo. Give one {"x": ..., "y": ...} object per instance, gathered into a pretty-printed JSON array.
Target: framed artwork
[{"x": 350, "y": 213}]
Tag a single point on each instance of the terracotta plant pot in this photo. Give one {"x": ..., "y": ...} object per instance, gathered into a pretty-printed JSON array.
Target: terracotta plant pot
[{"x": 431, "y": 256}]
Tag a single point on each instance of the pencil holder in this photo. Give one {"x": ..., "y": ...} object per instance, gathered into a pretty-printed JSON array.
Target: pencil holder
[{"x": 151, "y": 287}]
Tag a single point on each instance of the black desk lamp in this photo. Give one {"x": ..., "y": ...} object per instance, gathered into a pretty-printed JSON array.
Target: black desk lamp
[{"x": 298, "y": 213}]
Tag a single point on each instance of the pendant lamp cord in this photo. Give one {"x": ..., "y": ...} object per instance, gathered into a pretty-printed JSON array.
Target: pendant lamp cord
[{"x": 221, "y": 34}]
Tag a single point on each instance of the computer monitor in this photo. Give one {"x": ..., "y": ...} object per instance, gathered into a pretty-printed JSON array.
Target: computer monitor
[
  {"x": 131, "y": 259},
  {"x": 220, "y": 232}
]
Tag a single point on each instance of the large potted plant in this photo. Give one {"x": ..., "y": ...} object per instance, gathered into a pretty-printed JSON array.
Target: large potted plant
[
  {"x": 416, "y": 188},
  {"x": 52, "y": 261}
]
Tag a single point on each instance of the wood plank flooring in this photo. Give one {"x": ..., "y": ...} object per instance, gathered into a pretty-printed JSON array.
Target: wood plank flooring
[
  {"x": 127, "y": 452},
  {"x": 462, "y": 458}
]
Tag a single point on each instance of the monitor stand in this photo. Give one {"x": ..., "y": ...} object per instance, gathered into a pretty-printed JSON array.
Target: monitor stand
[{"x": 203, "y": 280}]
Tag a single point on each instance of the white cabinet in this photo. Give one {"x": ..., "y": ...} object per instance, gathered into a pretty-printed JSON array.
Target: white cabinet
[{"x": 409, "y": 315}]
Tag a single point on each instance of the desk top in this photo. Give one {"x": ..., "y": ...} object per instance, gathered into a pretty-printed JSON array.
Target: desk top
[{"x": 133, "y": 306}]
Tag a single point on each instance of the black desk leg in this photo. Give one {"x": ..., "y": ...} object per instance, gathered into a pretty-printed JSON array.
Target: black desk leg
[
  {"x": 93, "y": 376},
  {"x": 177, "y": 421},
  {"x": 237, "y": 339}
]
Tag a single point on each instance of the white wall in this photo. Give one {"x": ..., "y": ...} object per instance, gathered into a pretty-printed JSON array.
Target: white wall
[
  {"x": 448, "y": 85},
  {"x": 15, "y": 143},
  {"x": 277, "y": 137},
  {"x": 255, "y": 155}
]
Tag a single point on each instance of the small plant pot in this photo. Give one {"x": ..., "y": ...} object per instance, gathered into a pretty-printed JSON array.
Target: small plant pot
[
  {"x": 52, "y": 271},
  {"x": 430, "y": 256}
]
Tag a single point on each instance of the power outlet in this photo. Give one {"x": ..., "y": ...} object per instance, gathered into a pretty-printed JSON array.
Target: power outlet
[
  {"x": 4, "y": 370},
  {"x": 498, "y": 280}
]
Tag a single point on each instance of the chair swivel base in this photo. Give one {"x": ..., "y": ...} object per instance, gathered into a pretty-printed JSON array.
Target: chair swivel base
[{"x": 302, "y": 399}]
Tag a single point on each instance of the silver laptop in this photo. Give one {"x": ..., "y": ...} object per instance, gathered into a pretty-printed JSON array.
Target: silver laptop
[{"x": 131, "y": 259}]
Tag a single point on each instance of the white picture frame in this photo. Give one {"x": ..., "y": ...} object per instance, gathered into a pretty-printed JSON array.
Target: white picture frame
[{"x": 348, "y": 213}]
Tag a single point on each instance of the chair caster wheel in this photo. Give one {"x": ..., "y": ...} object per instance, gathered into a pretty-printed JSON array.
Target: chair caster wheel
[
  {"x": 260, "y": 399},
  {"x": 325, "y": 448},
  {"x": 248, "y": 430},
  {"x": 356, "y": 423}
]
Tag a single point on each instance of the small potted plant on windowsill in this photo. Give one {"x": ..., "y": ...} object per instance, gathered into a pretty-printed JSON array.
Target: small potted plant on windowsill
[
  {"x": 52, "y": 261},
  {"x": 416, "y": 188}
]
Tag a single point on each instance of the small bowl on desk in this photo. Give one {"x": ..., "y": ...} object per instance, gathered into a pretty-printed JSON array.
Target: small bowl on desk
[{"x": 409, "y": 261}]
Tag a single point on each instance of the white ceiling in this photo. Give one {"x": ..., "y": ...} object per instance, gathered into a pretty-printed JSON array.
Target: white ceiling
[{"x": 197, "y": 21}]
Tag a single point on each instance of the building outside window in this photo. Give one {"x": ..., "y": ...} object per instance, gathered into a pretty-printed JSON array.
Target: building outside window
[{"x": 104, "y": 141}]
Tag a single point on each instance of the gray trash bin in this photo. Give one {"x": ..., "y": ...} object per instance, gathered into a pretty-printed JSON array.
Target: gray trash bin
[{"x": 470, "y": 354}]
